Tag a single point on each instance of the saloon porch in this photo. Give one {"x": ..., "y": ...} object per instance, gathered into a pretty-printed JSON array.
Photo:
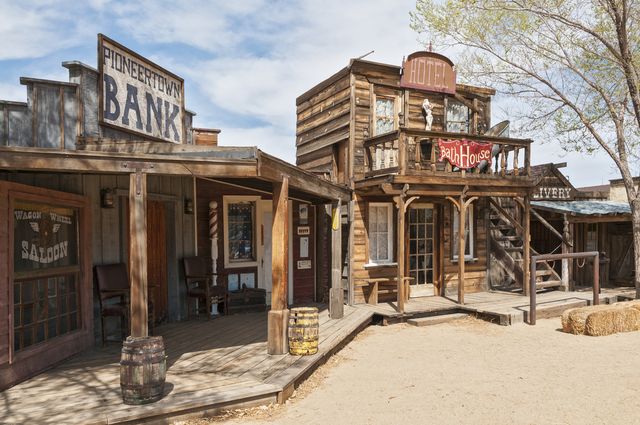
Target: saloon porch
[{"x": 212, "y": 365}]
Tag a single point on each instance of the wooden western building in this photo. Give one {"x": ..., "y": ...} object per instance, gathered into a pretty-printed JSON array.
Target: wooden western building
[
  {"x": 422, "y": 156},
  {"x": 566, "y": 219},
  {"x": 103, "y": 170}
]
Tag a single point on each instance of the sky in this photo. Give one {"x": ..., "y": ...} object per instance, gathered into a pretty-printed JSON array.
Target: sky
[{"x": 244, "y": 62}]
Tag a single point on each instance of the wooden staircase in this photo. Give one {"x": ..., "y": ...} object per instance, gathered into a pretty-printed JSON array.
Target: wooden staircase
[{"x": 507, "y": 247}]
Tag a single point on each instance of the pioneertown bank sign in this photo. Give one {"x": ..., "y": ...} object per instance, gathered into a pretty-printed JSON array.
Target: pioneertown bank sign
[{"x": 137, "y": 95}]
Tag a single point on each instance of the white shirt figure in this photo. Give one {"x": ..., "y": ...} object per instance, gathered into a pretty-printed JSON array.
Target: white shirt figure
[{"x": 427, "y": 107}]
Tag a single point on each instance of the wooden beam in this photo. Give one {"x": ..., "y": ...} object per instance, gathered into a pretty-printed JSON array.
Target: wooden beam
[
  {"x": 526, "y": 238},
  {"x": 461, "y": 245},
  {"x": 36, "y": 159},
  {"x": 336, "y": 293},
  {"x": 279, "y": 314},
  {"x": 138, "y": 253},
  {"x": 566, "y": 248},
  {"x": 401, "y": 219}
]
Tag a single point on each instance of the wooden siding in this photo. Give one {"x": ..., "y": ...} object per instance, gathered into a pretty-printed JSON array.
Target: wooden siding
[{"x": 322, "y": 121}]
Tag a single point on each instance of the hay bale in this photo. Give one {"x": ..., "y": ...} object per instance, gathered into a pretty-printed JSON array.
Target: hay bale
[
  {"x": 574, "y": 319},
  {"x": 613, "y": 320}
]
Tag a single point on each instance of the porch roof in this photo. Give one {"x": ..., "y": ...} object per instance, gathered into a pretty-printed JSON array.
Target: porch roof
[
  {"x": 123, "y": 157},
  {"x": 585, "y": 208}
]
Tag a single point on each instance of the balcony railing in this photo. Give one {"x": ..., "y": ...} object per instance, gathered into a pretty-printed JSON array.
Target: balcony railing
[{"x": 417, "y": 152}]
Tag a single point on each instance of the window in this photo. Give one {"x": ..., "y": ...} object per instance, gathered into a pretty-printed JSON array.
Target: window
[
  {"x": 240, "y": 219},
  {"x": 380, "y": 233},
  {"x": 385, "y": 115},
  {"x": 457, "y": 117},
  {"x": 46, "y": 267},
  {"x": 468, "y": 234},
  {"x": 592, "y": 237}
]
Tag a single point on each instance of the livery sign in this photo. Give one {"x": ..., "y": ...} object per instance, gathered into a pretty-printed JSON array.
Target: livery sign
[
  {"x": 139, "y": 96},
  {"x": 44, "y": 236},
  {"x": 464, "y": 154}
]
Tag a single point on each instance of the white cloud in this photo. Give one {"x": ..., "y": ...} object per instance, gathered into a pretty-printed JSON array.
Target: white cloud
[
  {"x": 280, "y": 144},
  {"x": 13, "y": 92}
]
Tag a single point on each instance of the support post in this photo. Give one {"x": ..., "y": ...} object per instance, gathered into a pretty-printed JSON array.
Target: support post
[
  {"x": 336, "y": 293},
  {"x": 279, "y": 314},
  {"x": 461, "y": 246},
  {"x": 401, "y": 215},
  {"x": 526, "y": 242},
  {"x": 138, "y": 253},
  {"x": 565, "y": 250},
  {"x": 213, "y": 235}
]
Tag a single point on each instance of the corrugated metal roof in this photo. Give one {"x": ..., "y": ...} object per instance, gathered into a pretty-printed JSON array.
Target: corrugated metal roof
[{"x": 593, "y": 208}]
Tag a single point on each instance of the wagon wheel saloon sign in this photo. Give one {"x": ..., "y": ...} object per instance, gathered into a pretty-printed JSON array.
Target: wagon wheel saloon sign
[
  {"x": 138, "y": 96},
  {"x": 464, "y": 154}
]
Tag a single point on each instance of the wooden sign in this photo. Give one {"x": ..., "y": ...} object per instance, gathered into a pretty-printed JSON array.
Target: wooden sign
[
  {"x": 429, "y": 71},
  {"x": 138, "y": 96},
  {"x": 553, "y": 193},
  {"x": 464, "y": 154}
]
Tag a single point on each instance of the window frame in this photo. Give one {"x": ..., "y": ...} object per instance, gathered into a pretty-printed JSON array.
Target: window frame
[
  {"x": 448, "y": 101},
  {"x": 470, "y": 216},
  {"x": 395, "y": 100},
  {"x": 226, "y": 201},
  {"x": 390, "y": 245}
]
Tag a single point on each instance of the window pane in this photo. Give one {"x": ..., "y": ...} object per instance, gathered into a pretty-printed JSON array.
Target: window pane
[
  {"x": 383, "y": 247},
  {"x": 457, "y": 117},
  {"x": 240, "y": 230},
  {"x": 384, "y": 115}
]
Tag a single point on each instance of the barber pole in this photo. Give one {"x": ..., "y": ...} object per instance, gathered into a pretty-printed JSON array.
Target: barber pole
[{"x": 213, "y": 235}]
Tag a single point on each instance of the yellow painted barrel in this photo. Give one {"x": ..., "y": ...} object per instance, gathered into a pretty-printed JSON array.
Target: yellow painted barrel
[{"x": 303, "y": 331}]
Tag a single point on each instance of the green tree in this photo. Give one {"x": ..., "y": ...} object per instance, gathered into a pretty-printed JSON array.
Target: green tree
[{"x": 576, "y": 63}]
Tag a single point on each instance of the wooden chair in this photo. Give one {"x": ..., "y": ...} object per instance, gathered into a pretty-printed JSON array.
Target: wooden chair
[
  {"x": 199, "y": 285},
  {"x": 113, "y": 295}
]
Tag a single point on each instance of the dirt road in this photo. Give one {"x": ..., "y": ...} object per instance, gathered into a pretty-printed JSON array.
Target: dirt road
[{"x": 468, "y": 372}]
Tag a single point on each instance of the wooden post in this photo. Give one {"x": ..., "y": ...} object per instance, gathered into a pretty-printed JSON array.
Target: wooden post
[
  {"x": 138, "y": 253},
  {"x": 279, "y": 314},
  {"x": 336, "y": 293},
  {"x": 526, "y": 249},
  {"x": 565, "y": 250},
  {"x": 401, "y": 241},
  {"x": 461, "y": 246}
]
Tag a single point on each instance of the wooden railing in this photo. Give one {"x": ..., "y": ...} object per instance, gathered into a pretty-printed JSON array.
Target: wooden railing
[{"x": 408, "y": 151}]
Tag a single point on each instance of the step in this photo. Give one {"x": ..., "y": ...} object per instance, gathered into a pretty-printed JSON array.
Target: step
[
  {"x": 547, "y": 272},
  {"x": 500, "y": 227},
  {"x": 548, "y": 284},
  {"x": 434, "y": 320},
  {"x": 513, "y": 249},
  {"x": 507, "y": 238}
]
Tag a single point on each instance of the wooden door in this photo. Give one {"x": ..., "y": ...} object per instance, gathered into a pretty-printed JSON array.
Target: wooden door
[{"x": 157, "y": 257}]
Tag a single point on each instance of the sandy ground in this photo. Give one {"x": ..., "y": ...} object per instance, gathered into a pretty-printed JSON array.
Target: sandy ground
[{"x": 467, "y": 372}]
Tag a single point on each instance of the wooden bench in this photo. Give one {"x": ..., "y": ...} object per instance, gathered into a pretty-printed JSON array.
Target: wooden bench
[{"x": 377, "y": 283}]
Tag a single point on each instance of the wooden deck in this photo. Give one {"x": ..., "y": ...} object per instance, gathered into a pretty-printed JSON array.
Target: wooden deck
[
  {"x": 501, "y": 307},
  {"x": 214, "y": 364}
]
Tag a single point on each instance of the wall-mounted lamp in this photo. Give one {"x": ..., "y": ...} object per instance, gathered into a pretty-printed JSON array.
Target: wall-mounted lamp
[
  {"x": 107, "y": 198},
  {"x": 188, "y": 206}
]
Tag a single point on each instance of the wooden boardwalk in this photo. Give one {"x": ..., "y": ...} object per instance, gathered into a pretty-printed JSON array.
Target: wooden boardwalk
[
  {"x": 501, "y": 307},
  {"x": 212, "y": 365}
]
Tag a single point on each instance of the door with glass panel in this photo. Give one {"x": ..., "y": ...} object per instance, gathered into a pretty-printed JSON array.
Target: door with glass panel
[{"x": 421, "y": 245}]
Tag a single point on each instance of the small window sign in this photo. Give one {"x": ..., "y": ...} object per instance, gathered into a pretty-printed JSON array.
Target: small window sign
[
  {"x": 303, "y": 230},
  {"x": 304, "y": 264}
]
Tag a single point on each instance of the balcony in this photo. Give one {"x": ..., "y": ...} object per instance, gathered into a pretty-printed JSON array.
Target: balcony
[{"x": 411, "y": 152}]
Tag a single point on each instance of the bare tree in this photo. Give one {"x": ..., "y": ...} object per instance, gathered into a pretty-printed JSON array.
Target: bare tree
[{"x": 575, "y": 62}]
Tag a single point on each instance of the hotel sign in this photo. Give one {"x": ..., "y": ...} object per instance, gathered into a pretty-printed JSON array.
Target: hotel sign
[
  {"x": 137, "y": 95},
  {"x": 464, "y": 154},
  {"x": 429, "y": 71}
]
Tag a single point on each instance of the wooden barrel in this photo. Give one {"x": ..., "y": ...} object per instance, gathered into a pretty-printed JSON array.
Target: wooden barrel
[
  {"x": 303, "y": 331},
  {"x": 143, "y": 369}
]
